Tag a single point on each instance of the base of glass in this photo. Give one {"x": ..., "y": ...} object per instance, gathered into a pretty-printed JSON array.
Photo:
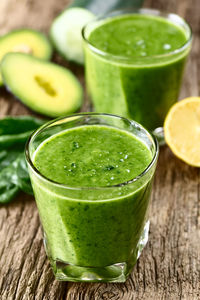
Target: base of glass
[
  {"x": 68, "y": 272},
  {"x": 118, "y": 272},
  {"x": 159, "y": 134}
]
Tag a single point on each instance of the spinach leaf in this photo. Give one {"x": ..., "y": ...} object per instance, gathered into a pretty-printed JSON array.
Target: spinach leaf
[
  {"x": 15, "y": 140},
  {"x": 8, "y": 188},
  {"x": 14, "y": 132},
  {"x": 18, "y": 124},
  {"x": 7, "y": 157}
]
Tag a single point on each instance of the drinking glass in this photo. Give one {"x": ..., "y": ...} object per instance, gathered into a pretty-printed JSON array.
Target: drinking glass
[
  {"x": 142, "y": 88},
  {"x": 93, "y": 233}
]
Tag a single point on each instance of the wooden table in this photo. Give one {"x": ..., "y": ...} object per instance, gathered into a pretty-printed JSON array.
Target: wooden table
[{"x": 169, "y": 267}]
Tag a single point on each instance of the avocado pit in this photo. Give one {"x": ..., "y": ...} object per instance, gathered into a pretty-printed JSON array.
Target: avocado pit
[
  {"x": 23, "y": 48},
  {"x": 45, "y": 85}
]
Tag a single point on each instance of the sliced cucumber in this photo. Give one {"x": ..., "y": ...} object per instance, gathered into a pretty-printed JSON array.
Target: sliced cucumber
[{"x": 65, "y": 31}]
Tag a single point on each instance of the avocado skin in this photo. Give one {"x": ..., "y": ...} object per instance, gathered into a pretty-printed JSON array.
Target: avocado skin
[
  {"x": 16, "y": 33},
  {"x": 17, "y": 82}
]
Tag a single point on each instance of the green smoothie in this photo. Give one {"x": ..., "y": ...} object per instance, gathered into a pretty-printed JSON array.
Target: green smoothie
[
  {"x": 134, "y": 65},
  {"x": 96, "y": 219}
]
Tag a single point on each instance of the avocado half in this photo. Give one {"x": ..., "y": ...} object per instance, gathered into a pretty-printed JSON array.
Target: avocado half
[
  {"x": 43, "y": 86},
  {"x": 27, "y": 41}
]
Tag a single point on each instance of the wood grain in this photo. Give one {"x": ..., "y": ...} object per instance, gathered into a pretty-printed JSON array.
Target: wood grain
[{"x": 169, "y": 267}]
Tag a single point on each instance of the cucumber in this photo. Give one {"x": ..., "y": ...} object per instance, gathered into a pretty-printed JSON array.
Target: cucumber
[{"x": 65, "y": 31}]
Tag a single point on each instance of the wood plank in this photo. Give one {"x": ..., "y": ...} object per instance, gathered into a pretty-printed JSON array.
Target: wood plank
[{"x": 169, "y": 267}]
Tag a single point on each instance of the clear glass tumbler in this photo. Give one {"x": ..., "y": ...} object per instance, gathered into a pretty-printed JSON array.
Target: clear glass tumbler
[
  {"x": 142, "y": 87},
  {"x": 93, "y": 233}
]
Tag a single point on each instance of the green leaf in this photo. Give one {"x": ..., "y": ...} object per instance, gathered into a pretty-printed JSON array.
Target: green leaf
[
  {"x": 7, "y": 195},
  {"x": 8, "y": 188},
  {"x": 14, "y": 132},
  {"x": 18, "y": 124},
  {"x": 7, "y": 157},
  {"x": 16, "y": 140}
]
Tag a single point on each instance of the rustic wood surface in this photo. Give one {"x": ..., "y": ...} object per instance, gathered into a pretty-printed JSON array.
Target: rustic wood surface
[{"x": 169, "y": 267}]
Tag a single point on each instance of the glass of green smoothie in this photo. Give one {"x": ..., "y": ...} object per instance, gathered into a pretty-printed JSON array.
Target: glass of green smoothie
[
  {"x": 92, "y": 175},
  {"x": 134, "y": 63}
]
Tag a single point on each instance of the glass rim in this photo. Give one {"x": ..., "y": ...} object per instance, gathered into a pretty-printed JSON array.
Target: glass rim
[
  {"x": 78, "y": 188},
  {"x": 144, "y": 11}
]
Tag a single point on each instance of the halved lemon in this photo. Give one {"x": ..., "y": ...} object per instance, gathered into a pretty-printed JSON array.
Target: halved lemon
[{"x": 182, "y": 130}]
